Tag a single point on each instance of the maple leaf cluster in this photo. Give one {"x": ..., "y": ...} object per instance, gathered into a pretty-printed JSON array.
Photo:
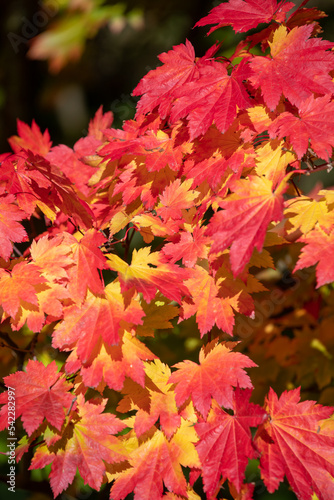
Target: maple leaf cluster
[{"x": 175, "y": 220}]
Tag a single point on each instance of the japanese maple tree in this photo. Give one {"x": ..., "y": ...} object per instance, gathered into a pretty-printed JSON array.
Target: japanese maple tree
[{"x": 190, "y": 223}]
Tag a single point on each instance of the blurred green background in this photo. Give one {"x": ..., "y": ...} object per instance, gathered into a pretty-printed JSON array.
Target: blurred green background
[{"x": 96, "y": 53}]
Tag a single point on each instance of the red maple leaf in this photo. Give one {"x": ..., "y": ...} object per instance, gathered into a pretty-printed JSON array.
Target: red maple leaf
[
  {"x": 215, "y": 97},
  {"x": 243, "y": 223},
  {"x": 318, "y": 251},
  {"x": 99, "y": 123},
  {"x": 244, "y": 15},
  {"x": 159, "y": 149},
  {"x": 225, "y": 443},
  {"x": 29, "y": 186},
  {"x": 11, "y": 231},
  {"x": 190, "y": 247},
  {"x": 210, "y": 170},
  {"x": 291, "y": 443},
  {"x": 88, "y": 259},
  {"x": 294, "y": 56},
  {"x": 113, "y": 364},
  {"x": 159, "y": 85},
  {"x": 40, "y": 392},
  {"x": 313, "y": 127},
  {"x": 69, "y": 161},
  {"x": 30, "y": 138},
  {"x": 31, "y": 175},
  {"x": 205, "y": 381}
]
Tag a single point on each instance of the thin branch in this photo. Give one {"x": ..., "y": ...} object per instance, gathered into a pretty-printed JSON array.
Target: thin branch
[{"x": 296, "y": 188}]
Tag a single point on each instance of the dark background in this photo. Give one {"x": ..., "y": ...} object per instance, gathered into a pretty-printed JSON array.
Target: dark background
[{"x": 111, "y": 66}]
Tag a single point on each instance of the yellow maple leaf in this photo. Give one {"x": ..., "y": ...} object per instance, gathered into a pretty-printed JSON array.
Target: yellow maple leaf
[
  {"x": 272, "y": 161},
  {"x": 307, "y": 213}
]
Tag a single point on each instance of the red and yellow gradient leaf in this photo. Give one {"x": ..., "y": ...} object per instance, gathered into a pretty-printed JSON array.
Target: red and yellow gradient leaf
[
  {"x": 92, "y": 443},
  {"x": 148, "y": 273},
  {"x": 40, "y": 392},
  {"x": 150, "y": 225},
  {"x": 53, "y": 256},
  {"x": 260, "y": 118},
  {"x": 272, "y": 161},
  {"x": 98, "y": 319},
  {"x": 162, "y": 402},
  {"x": 19, "y": 287},
  {"x": 112, "y": 364},
  {"x": 292, "y": 443},
  {"x": 216, "y": 375},
  {"x": 50, "y": 307},
  {"x": 157, "y": 462}
]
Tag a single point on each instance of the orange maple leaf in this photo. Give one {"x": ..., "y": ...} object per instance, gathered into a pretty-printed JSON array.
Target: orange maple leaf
[
  {"x": 216, "y": 375},
  {"x": 30, "y": 138},
  {"x": 176, "y": 197},
  {"x": 209, "y": 308},
  {"x": 53, "y": 256},
  {"x": 19, "y": 287}
]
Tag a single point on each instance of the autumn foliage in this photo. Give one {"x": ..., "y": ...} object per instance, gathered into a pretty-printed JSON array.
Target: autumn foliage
[{"x": 189, "y": 220}]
